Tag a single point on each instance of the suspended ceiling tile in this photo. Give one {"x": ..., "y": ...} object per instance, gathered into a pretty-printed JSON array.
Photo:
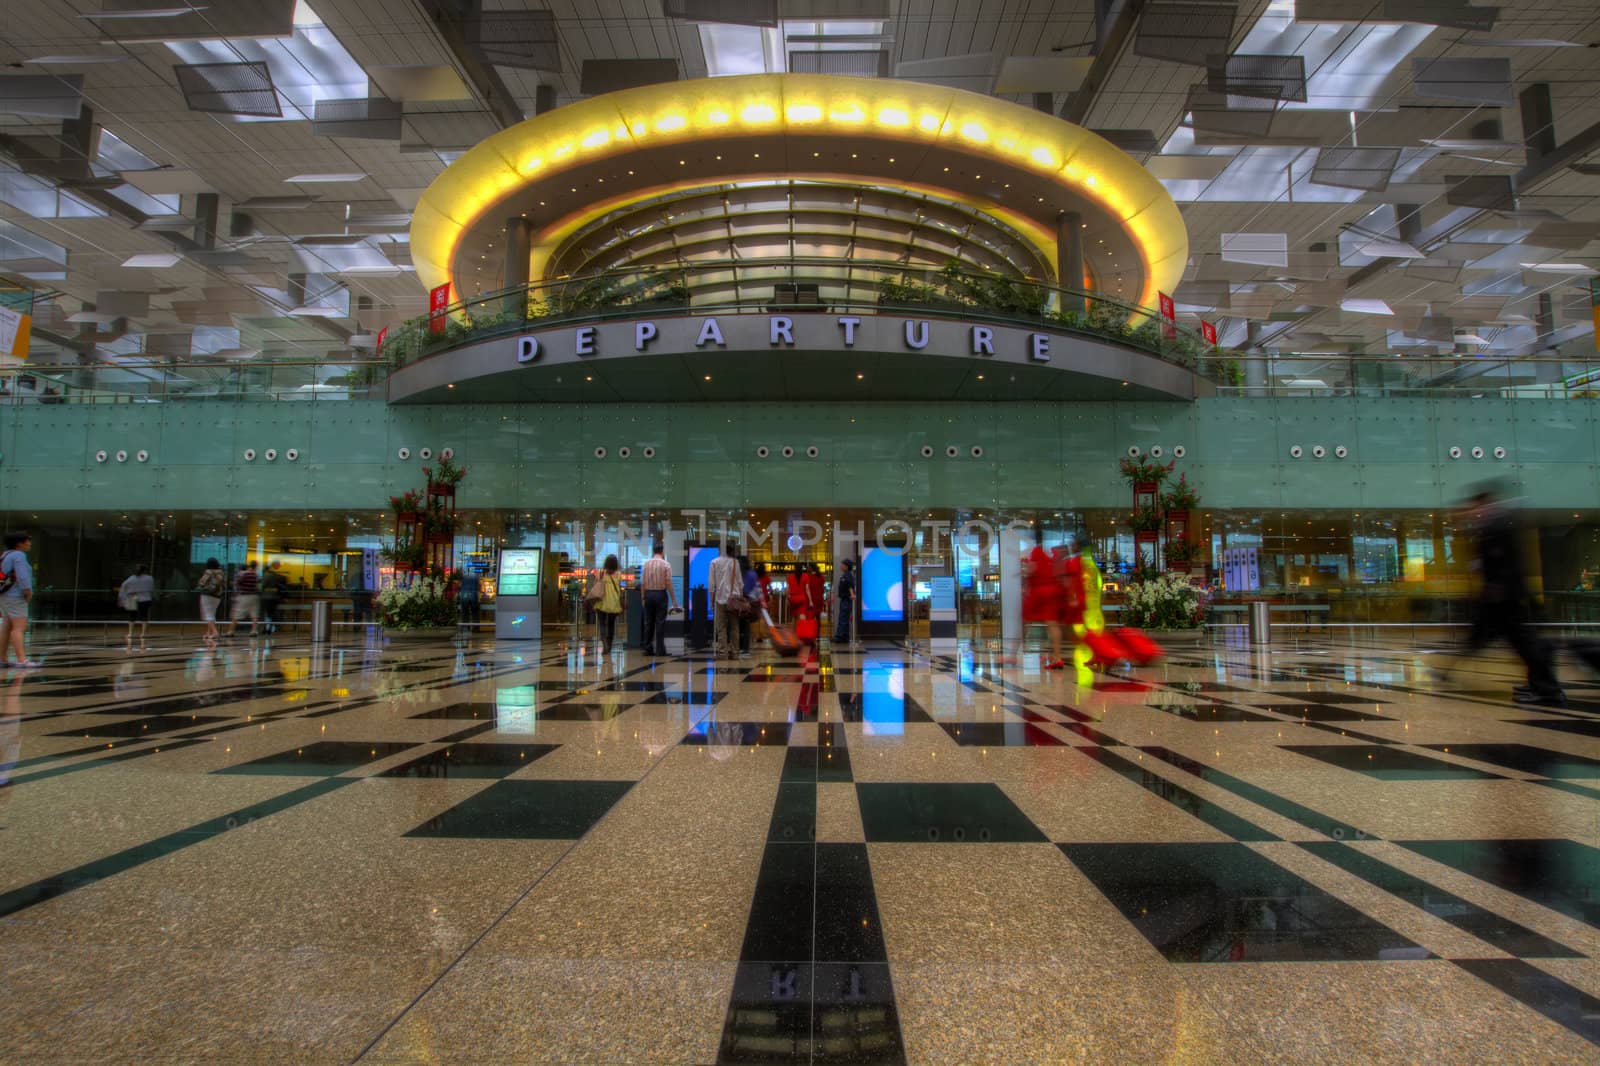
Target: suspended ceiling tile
[
  {"x": 1042, "y": 74},
  {"x": 1260, "y": 249},
  {"x": 1183, "y": 32},
  {"x": 1472, "y": 80},
  {"x": 1355, "y": 168},
  {"x": 1266, "y": 77},
  {"x": 419, "y": 84},
  {"x": 166, "y": 182},
  {"x": 1188, "y": 167},
  {"x": 208, "y": 21},
  {"x": 41, "y": 95},
  {"x": 611, "y": 75}
]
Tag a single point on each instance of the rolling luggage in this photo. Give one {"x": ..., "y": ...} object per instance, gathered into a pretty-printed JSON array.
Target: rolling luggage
[{"x": 783, "y": 638}]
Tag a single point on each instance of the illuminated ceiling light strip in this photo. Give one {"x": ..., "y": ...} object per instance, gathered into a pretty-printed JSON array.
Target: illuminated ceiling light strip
[{"x": 718, "y": 107}]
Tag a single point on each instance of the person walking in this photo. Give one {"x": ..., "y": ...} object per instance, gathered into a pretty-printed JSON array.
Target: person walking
[
  {"x": 212, "y": 584},
  {"x": 844, "y": 601},
  {"x": 724, "y": 581},
  {"x": 137, "y": 595},
  {"x": 273, "y": 584},
  {"x": 16, "y": 581},
  {"x": 607, "y": 602},
  {"x": 1504, "y": 608},
  {"x": 1044, "y": 590},
  {"x": 655, "y": 579},
  {"x": 755, "y": 593},
  {"x": 467, "y": 598},
  {"x": 246, "y": 599}
]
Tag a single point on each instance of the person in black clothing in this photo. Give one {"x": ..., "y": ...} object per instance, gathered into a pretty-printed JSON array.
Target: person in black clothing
[
  {"x": 844, "y": 595},
  {"x": 1504, "y": 608}
]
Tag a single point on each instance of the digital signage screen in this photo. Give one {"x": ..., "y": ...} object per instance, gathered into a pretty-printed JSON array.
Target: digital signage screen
[
  {"x": 519, "y": 572},
  {"x": 883, "y": 590}
]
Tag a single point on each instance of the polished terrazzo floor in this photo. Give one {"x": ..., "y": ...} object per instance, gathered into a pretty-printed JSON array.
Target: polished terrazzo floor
[{"x": 420, "y": 852}]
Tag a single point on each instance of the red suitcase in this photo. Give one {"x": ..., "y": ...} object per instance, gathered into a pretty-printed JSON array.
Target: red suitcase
[{"x": 1141, "y": 649}]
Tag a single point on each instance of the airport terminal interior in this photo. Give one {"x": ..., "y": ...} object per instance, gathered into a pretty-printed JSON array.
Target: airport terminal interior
[{"x": 785, "y": 531}]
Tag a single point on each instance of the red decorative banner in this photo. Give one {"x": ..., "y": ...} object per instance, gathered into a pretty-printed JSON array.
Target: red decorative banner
[
  {"x": 438, "y": 300},
  {"x": 1169, "y": 310},
  {"x": 383, "y": 335},
  {"x": 1208, "y": 330}
]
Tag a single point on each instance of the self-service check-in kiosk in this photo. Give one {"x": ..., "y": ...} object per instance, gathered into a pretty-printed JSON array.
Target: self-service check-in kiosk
[{"x": 516, "y": 594}]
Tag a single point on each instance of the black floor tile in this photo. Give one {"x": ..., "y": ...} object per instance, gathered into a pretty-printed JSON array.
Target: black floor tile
[
  {"x": 1225, "y": 903},
  {"x": 1209, "y": 713},
  {"x": 472, "y": 760},
  {"x": 321, "y": 759},
  {"x": 746, "y": 734},
  {"x": 1205, "y": 686},
  {"x": 942, "y": 813},
  {"x": 1550, "y": 996},
  {"x": 1525, "y": 757},
  {"x": 688, "y": 699},
  {"x": 847, "y": 926},
  {"x": 1000, "y": 735},
  {"x": 1295, "y": 812},
  {"x": 153, "y": 726},
  {"x": 582, "y": 712},
  {"x": 779, "y": 929},
  {"x": 465, "y": 712},
  {"x": 769, "y": 1014},
  {"x": 534, "y": 810},
  {"x": 1503, "y": 933},
  {"x": 1560, "y": 874},
  {"x": 881, "y": 707},
  {"x": 854, "y": 1019},
  {"x": 1320, "y": 712},
  {"x": 794, "y": 817},
  {"x": 1581, "y": 726},
  {"x": 1335, "y": 697},
  {"x": 1387, "y": 763}
]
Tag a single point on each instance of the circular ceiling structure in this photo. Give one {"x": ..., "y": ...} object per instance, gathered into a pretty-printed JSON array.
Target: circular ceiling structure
[{"x": 962, "y": 154}]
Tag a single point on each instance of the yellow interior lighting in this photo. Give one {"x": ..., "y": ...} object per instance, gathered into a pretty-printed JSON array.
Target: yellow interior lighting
[{"x": 981, "y": 128}]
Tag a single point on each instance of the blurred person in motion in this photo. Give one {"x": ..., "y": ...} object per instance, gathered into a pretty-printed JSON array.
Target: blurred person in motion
[
  {"x": 468, "y": 598},
  {"x": 212, "y": 584},
  {"x": 726, "y": 580},
  {"x": 755, "y": 592},
  {"x": 273, "y": 586},
  {"x": 137, "y": 595},
  {"x": 1504, "y": 607},
  {"x": 16, "y": 592},
  {"x": 246, "y": 599},
  {"x": 1044, "y": 599},
  {"x": 844, "y": 601}
]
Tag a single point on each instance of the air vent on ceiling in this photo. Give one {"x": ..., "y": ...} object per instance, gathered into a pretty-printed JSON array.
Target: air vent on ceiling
[
  {"x": 854, "y": 62},
  {"x": 1263, "y": 77},
  {"x": 1355, "y": 168},
  {"x": 229, "y": 88},
  {"x": 525, "y": 40},
  {"x": 610, "y": 75},
  {"x": 368, "y": 119},
  {"x": 1184, "y": 33}
]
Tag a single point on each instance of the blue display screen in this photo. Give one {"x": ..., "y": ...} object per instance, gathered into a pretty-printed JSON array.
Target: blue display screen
[
  {"x": 883, "y": 590},
  {"x": 700, "y": 566}
]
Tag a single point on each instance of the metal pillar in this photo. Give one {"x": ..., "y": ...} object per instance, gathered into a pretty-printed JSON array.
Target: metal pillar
[{"x": 1069, "y": 261}]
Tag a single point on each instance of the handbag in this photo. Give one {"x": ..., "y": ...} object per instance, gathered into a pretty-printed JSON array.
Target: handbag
[
  {"x": 593, "y": 594},
  {"x": 740, "y": 607}
]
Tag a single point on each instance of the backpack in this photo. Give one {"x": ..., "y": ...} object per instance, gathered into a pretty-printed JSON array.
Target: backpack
[{"x": 210, "y": 583}]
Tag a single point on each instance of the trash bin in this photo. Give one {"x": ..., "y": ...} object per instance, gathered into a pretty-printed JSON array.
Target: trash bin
[
  {"x": 1260, "y": 623},
  {"x": 321, "y": 621}
]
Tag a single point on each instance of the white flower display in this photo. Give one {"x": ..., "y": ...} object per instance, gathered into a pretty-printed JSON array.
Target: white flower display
[
  {"x": 420, "y": 605},
  {"x": 1165, "y": 602}
]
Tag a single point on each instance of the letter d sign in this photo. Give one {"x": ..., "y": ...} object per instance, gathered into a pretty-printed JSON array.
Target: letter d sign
[{"x": 527, "y": 349}]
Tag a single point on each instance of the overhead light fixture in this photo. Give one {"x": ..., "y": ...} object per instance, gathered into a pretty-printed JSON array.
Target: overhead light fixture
[
  {"x": 1366, "y": 307},
  {"x": 1558, "y": 268},
  {"x": 152, "y": 260},
  {"x": 77, "y": 61},
  {"x": 324, "y": 179},
  {"x": 143, "y": 12}
]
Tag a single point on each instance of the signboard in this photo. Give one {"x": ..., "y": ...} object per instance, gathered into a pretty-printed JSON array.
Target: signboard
[
  {"x": 943, "y": 596},
  {"x": 1208, "y": 330},
  {"x": 882, "y": 586},
  {"x": 519, "y": 571},
  {"x": 438, "y": 300},
  {"x": 15, "y": 330},
  {"x": 383, "y": 335},
  {"x": 1169, "y": 316},
  {"x": 1594, "y": 309}
]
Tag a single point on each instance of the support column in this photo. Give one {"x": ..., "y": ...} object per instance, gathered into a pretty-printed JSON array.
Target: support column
[
  {"x": 1255, "y": 366},
  {"x": 519, "y": 244},
  {"x": 1538, "y": 120},
  {"x": 1069, "y": 261}
]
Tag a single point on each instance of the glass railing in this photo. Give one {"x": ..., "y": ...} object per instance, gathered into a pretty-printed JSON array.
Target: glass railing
[
  {"x": 800, "y": 285},
  {"x": 304, "y": 381}
]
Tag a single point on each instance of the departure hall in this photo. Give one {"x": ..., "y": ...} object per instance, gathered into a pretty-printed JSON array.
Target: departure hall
[{"x": 857, "y": 531}]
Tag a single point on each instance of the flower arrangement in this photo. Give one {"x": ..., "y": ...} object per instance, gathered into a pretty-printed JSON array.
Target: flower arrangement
[
  {"x": 406, "y": 556},
  {"x": 409, "y": 503},
  {"x": 438, "y": 522},
  {"x": 1181, "y": 552},
  {"x": 423, "y": 604},
  {"x": 1144, "y": 470},
  {"x": 1146, "y": 520},
  {"x": 1181, "y": 497},
  {"x": 1167, "y": 601},
  {"x": 447, "y": 473}
]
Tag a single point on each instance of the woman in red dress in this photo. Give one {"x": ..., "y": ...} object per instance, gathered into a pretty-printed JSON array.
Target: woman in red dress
[{"x": 1042, "y": 600}]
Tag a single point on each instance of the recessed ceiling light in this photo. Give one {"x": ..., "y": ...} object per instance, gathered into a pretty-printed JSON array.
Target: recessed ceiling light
[
  {"x": 324, "y": 179},
  {"x": 152, "y": 260}
]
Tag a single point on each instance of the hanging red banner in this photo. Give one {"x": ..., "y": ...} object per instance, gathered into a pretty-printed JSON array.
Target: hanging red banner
[
  {"x": 1208, "y": 330},
  {"x": 1169, "y": 315},
  {"x": 438, "y": 300},
  {"x": 383, "y": 335}
]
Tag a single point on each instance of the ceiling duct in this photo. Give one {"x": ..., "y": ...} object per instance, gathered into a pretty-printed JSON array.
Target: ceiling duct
[
  {"x": 369, "y": 119},
  {"x": 1134, "y": 142},
  {"x": 1490, "y": 192},
  {"x": 1184, "y": 33},
  {"x": 1456, "y": 14},
  {"x": 1259, "y": 76},
  {"x": 856, "y": 62},
  {"x": 1355, "y": 168},
  {"x": 610, "y": 75},
  {"x": 525, "y": 40},
  {"x": 229, "y": 88}
]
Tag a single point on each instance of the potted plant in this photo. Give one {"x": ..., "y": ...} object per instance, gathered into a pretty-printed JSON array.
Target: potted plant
[
  {"x": 443, "y": 479},
  {"x": 1181, "y": 497},
  {"x": 425, "y": 607},
  {"x": 1146, "y": 520},
  {"x": 1143, "y": 470},
  {"x": 407, "y": 505},
  {"x": 1181, "y": 553},
  {"x": 1167, "y": 605}
]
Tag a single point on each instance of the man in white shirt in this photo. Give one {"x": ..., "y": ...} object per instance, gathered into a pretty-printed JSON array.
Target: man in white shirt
[{"x": 724, "y": 581}]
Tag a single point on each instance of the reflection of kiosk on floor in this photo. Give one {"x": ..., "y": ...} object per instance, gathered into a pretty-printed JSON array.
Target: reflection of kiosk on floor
[{"x": 516, "y": 599}]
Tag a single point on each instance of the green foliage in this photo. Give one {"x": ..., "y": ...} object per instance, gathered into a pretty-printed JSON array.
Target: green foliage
[{"x": 1146, "y": 521}]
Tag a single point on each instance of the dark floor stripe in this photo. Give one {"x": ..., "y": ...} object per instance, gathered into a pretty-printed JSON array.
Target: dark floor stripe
[
  {"x": 1285, "y": 808},
  {"x": 1503, "y": 933},
  {"x": 1219, "y": 818},
  {"x": 1550, "y": 996},
  {"x": 60, "y": 884},
  {"x": 108, "y": 760}
]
